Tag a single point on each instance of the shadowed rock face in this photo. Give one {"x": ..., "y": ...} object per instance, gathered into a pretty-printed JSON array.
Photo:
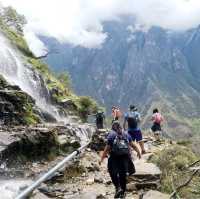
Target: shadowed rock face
[{"x": 16, "y": 107}]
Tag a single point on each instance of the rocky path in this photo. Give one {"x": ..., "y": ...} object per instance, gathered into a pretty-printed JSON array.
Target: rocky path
[
  {"x": 88, "y": 180},
  {"x": 83, "y": 178}
]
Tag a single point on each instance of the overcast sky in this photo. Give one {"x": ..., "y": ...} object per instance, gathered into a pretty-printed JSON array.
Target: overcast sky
[{"x": 79, "y": 22}]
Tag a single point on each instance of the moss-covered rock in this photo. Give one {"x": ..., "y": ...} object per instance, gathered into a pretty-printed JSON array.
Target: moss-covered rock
[{"x": 16, "y": 107}]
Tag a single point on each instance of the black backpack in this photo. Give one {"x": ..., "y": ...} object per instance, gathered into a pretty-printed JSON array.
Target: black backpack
[
  {"x": 99, "y": 116},
  {"x": 132, "y": 121},
  {"x": 120, "y": 146}
]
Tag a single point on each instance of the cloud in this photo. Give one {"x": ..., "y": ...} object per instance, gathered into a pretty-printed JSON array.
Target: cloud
[{"x": 79, "y": 22}]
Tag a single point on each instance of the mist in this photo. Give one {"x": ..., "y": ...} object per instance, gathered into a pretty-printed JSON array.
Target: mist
[{"x": 79, "y": 22}]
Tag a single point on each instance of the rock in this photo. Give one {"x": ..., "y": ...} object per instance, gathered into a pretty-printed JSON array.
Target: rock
[
  {"x": 62, "y": 139},
  {"x": 131, "y": 187},
  {"x": 67, "y": 103},
  {"x": 39, "y": 195},
  {"x": 98, "y": 179},
  {"x": 108, "y": 182},
  {"x": 147, "y": 175},
  {"x": 93, "y": 167},
  {"x": 98, "y": 141},
  {"x": 101, "y": 196},
  {"x": 90, "y": 181},
  {"x": 155, "y": 195},
  {"x": 16, "y": 106}
]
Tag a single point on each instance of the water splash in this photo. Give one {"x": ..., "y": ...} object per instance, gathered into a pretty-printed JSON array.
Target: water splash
[
  {"x": 10, "y": 188},
  {"x": 22, "y": 74}
]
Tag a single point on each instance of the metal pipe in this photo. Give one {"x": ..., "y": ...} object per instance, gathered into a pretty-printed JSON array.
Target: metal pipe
[{"x": 32, "y": 187}]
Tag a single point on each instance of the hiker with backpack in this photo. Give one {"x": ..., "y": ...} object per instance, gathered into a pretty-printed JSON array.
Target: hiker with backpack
[
  {"x": 100, "y": 117},
  {"x": 157, "y": 119},
  {"x": 116, "y": 113},
  {"x": 119, "y": 162},
  {"x": 133, "y": 119}
]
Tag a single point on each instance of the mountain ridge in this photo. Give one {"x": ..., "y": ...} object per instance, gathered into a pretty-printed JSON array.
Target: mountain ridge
[{"x": 137, "y": 67}]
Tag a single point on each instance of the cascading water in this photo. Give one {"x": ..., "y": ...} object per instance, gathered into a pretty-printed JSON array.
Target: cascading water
[
  {"x": 22, "y": 74},
  {"x": 18, "y": 73}
]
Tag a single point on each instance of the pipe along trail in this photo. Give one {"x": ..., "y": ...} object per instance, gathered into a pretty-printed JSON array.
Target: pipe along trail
[{"x": 36, "y": 184}]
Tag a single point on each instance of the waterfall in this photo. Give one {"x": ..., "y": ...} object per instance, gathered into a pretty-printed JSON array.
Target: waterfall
[
  {"x": 10, "y": 188},
  {"x": 29, "y": 80}
]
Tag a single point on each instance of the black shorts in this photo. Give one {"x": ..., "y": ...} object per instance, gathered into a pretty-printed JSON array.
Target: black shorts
[{"x": 156, "y": 127}]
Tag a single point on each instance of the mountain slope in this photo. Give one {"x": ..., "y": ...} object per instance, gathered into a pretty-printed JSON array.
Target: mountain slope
[{"x": 149, "y": 69}]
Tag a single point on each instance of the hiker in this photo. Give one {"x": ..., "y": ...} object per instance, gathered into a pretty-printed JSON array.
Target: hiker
[
  {"x": 100, "y": 117},
  {"x": 119, "y": 162},
  {"x": 116, "y": 113},
  {"x": 157, "y": 119},
  {"x": 133, "y": 118}
]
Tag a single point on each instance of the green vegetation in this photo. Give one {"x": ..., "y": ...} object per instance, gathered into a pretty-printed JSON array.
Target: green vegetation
[
  {"x": 65, "y": 79},
  {"x": 173, "y": 162},
  {"x": 86, "y": 106},
  {"x": 59, "y": 86}
]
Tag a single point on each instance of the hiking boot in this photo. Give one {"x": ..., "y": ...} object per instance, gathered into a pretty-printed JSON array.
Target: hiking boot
[
  {"x": 118, "y": 193},
  {"x": 123, "y": 195}
]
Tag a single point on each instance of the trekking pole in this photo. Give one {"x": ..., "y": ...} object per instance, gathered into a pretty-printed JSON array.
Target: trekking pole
[{"x": 46, "y": 176}]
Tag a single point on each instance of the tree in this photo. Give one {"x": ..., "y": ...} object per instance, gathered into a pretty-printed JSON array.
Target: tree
[
  {"x": 87, "y": 106},
  {"x": 13, "y": 19}
]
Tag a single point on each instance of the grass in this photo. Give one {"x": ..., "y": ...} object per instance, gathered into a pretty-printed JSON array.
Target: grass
[{"x": 172, "y": 161}]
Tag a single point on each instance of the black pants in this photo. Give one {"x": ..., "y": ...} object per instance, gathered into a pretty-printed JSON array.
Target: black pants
[
  {"x": 118, "y": 168},
  {"x": 99, "y": 123}
]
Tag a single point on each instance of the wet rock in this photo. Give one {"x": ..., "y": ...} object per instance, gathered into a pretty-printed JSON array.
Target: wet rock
[
  {"x": 98, "y": 141},
  {"x": 155, "y": 195},
  {"x": 39, "y": 195},
  {"x": 67, "y": 103},
  {"x": 16, "y": 107}
]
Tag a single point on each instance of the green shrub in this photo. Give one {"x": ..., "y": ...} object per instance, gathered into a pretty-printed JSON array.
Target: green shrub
[
  {"x": 86, "y": 106},
  {"x": 173, "y": 162}
]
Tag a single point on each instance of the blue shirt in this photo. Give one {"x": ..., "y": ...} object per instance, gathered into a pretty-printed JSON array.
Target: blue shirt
[
  {"x": 133, "y": 114},
  {"x": 112, "y": 135}
]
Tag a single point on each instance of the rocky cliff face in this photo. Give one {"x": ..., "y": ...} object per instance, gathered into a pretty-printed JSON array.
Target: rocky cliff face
[{"x": 156, "y": 68}]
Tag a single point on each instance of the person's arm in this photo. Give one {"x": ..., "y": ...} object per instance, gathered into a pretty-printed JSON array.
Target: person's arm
[
  {"x": 105, "y": 153},
  {"x": 138, "y": 117},
  {"x": 124, "y": 124},
  {"x": 134, "y": 146}
]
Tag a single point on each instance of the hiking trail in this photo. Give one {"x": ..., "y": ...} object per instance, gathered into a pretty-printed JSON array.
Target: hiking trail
[{"x": 85, "y": 179}]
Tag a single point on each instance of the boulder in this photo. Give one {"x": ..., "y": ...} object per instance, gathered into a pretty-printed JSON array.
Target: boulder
[
  {"x": 98, "y": 141},
  {"x": 155, "y": 195}
]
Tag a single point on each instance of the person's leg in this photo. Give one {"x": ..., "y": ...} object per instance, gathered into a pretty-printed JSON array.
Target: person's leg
[
  {"x": 139, "y": 139},
  {"x": 123, "y": 173},
  {"x": 122, "y": 180},
  {"x": 141, "y": 143},
  {"x": 113, "y": 172}
]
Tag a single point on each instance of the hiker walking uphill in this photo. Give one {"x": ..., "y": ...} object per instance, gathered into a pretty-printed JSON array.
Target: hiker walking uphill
[
  {"x": 157, "y": 119},
  {"x": 119, "y": 163},
  {"x": 116, "y": 113},
  {"x": 100, "y": 117},
  {"x": 133, "y": 118}
]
